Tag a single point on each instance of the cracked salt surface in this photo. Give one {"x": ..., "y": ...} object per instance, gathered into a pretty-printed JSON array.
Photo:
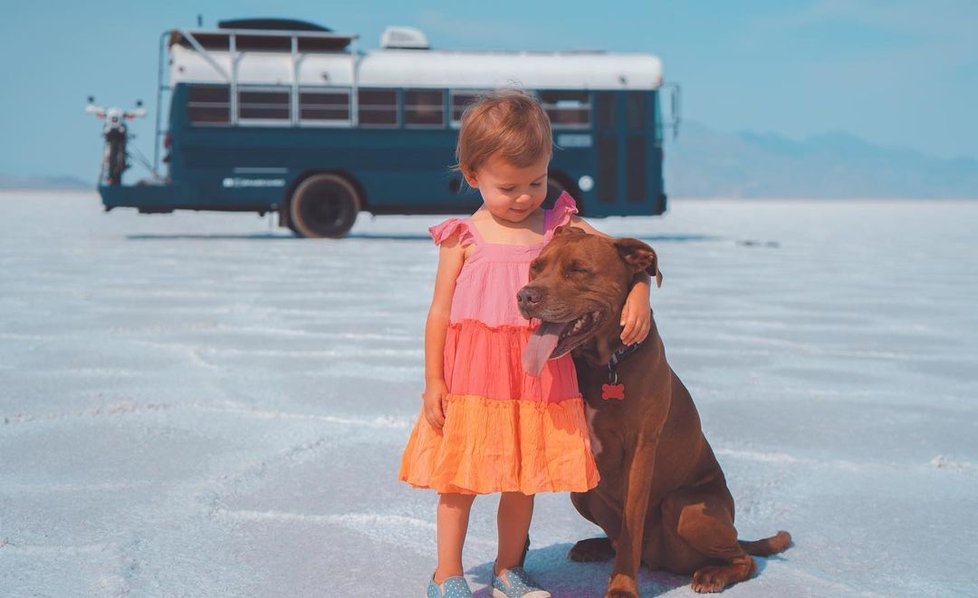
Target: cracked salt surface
[{"x": 186, "y": 409}]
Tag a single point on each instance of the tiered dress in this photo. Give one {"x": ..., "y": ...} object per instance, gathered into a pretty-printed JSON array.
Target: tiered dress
[{"x": 505, "y": 431}]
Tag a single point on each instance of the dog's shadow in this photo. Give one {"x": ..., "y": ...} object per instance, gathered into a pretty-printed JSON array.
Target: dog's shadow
[{"x": 566, "y": 579}]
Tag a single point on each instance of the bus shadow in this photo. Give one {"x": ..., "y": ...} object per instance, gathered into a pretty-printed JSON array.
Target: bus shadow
[
  {"x": 275, "y": 237},
  {"x": 203, "y": 237},
  {"x": 678, "y": 238},
  {"x": 391, "y": 236}
]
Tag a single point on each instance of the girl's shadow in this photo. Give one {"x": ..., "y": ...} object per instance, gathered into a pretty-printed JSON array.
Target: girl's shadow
[{"x": 566, "y": 579}]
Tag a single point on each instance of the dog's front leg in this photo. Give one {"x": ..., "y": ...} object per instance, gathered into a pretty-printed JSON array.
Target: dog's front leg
[{"x": 638, "y": 485}]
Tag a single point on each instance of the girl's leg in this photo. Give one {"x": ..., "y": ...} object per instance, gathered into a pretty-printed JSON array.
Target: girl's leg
[
  {"x": 513, "y": 523},
  {"x": 453, "y": 522}
]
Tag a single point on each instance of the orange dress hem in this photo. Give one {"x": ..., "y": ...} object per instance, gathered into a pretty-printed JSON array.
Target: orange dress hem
[{"x": 489, "y": 446}]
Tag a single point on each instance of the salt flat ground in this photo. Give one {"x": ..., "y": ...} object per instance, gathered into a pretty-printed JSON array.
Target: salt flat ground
[{"x": 197, "y": 404}]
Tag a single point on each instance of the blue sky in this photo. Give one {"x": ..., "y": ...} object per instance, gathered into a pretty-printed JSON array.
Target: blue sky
[{"x": 897, "y": 73}]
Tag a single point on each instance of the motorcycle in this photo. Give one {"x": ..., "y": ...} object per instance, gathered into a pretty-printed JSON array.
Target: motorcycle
[{"x": 116, "y": 133}]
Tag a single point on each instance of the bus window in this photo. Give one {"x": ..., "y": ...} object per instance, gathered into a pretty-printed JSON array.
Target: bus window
[
  {"x": 321, "y": 107},
  {"x": 567, "y": 109},
  {"x": 637, "y": 110},
  {"x": 461, "y": 101},
  {"x": 605, "y": 109},
  {"x": 209, "y": 104},
  {"x": 264, "y": 105},
  {"x": 377, "y": 107},
  {"x": 607, "y": 169},
  {"x": 424, "y": 108},
  {"x": 636, "y": 177}
]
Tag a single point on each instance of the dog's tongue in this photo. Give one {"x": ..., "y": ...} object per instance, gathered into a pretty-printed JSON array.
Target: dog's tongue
[{"x": 541, "y": 344}]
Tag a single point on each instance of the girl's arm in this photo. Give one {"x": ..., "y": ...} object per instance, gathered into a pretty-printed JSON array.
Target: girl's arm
[
  {"x": 451, "y": 256},
  {"x": 636, "y": 317}
]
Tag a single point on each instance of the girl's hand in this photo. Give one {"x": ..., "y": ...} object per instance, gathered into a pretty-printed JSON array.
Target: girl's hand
[
  {"x": 434, "y": 403},
  {"x": 636, "y": 317}
]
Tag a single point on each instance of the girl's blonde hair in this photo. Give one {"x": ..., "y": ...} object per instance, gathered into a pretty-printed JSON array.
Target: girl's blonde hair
[{"x": 509, "y": 122}]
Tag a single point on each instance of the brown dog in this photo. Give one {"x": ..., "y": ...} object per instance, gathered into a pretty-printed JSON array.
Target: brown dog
[{"x": 662, "y": 499}]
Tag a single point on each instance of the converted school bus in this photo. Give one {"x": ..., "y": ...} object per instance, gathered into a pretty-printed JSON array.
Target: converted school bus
[{"x": 288, "y": 117}]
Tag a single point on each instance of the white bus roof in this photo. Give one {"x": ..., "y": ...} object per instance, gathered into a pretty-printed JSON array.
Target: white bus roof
[
  {"x": 550, "y": 70},
  {"x": 420, "y": 68}
]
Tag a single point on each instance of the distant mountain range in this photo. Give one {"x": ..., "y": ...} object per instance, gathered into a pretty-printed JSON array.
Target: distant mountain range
[{"x": 703, "y": 162}]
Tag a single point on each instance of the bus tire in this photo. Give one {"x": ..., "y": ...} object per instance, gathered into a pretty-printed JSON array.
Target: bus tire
[
  {"x": 557, "y": 185},
  {"x": 554, "y": 189},
  {"x": 323, "y": 205}
]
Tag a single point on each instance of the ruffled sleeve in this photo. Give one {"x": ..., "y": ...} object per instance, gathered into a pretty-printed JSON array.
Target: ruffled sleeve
[
  {"x": 451, "y": 227},
  {"x": 560, "y": 214}
]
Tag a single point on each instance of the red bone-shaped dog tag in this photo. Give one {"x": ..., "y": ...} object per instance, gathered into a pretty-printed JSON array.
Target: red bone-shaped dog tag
[{"x": 613, "y": 391}]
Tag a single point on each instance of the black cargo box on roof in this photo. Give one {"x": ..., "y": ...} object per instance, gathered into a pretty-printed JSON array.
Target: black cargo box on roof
[
  {"x": 276, "y": 24},
  {"x": 268, "y": 35}
]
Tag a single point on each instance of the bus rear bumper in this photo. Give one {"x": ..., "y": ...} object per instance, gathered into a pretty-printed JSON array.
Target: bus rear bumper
[{"x": 148, "y": 199}]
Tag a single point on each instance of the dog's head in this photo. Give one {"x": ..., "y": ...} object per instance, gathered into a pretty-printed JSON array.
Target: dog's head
[{"x": 578, "y": 285}]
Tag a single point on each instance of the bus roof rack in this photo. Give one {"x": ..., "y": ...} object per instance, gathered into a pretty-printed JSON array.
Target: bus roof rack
[{"x": 263, "y": 40}]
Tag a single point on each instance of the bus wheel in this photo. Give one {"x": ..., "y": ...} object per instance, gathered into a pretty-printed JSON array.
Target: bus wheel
[
  {"x": 324, "y": 205},
  {"x": 554, "y": 189}
]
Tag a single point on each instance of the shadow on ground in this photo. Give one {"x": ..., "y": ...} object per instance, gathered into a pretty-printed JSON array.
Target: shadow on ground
[{"x": 567, "y": 579}]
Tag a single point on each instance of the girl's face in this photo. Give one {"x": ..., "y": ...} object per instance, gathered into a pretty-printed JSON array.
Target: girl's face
[{"x": 510, "y": 193}]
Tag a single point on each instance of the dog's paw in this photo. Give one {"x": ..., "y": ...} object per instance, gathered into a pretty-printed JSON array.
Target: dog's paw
[
  {"x": 591, "y": 550},
  {"x": 781, "y": 541},
  {"x": 709, "y": 580},
  {"x": 622, "y": 586}
]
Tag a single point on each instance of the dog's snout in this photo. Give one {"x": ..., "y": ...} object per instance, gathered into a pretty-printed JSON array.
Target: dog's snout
[{"x": 529, "y": 296}]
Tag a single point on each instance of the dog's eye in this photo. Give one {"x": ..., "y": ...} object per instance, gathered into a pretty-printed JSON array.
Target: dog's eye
[
  {"x": 536, "y": 265},
  {"x": 576, "y": 269}
]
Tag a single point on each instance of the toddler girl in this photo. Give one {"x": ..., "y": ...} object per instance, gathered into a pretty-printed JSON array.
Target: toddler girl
[{"x": 485, "y": 425}]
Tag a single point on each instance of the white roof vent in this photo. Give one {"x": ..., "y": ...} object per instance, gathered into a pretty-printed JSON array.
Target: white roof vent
[{"x": 404, "y": 38}]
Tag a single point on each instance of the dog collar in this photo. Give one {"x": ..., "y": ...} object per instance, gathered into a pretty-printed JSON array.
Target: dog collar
[{"x": 613, "y": 389}]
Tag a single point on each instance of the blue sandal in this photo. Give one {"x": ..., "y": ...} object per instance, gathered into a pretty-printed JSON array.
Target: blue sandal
[
  {"x": 516, "y": 583},
  {"x": 452, "y": 587}
]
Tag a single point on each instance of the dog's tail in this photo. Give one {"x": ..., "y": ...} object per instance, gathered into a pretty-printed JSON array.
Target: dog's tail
[{"x": 779, "y": 542}]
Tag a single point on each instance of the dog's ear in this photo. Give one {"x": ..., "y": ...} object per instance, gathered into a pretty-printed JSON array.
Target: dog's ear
[
  {"x": 566, "y": 229},
  {"x": 639, "y": 257}
]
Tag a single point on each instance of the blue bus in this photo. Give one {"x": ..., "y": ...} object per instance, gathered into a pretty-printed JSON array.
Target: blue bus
[{"x": 282, "y": 116}]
